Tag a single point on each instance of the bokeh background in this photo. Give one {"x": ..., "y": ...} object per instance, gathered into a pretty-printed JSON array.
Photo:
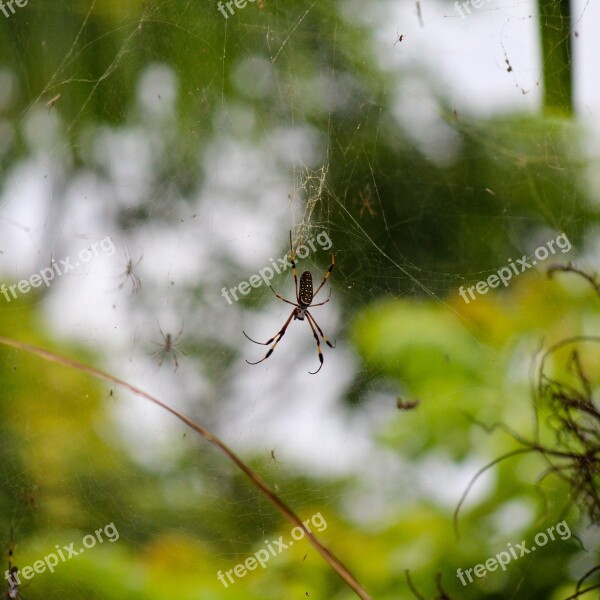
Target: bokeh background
[{"x": 430, "y": 148}]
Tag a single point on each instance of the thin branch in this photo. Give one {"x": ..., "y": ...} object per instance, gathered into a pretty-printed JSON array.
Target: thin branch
[
  {"x": 582, "y": 592},
  {"x": 571, "y": 269},
  {"x": 476, "y": 477},
  {"x": 590, "y": 572},
  {"x": 438, "y": 581},
  {"x": 279, "y": 504},
  {"x": 558, "y": 346},
  {"x": 532, "y": 445},
  {"x": 411, "y": 586}
]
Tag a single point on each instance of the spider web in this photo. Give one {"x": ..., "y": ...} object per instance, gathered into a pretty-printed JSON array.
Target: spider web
[{"x": 197, "y": 143}]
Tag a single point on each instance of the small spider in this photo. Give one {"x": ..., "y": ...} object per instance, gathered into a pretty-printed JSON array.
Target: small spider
[
  {"x": 52, "y": 102},
  {"x": 29, "y": 496},
  {"x": 304, "y": 298},
  {"x": 12, "y": 591},
  {"x": 366, "y": 203},
  {"x": 168, "y": 346},
  {"x": 273, "y": 458},
  {"x": 129, "y": 275},
  {"x": 399, "y": 36}
]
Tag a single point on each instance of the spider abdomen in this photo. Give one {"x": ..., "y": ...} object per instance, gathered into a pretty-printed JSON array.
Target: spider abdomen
[{"x": 305, "y": 295}]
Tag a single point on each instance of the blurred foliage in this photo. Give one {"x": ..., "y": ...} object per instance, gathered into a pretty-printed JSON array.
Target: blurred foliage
[
  {"x": 470, "y": 368},
  {"x": 65, "y": 468},
  {"x": 59, "y": 453}
]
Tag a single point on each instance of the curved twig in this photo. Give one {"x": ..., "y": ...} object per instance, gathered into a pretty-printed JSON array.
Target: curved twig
[
  {"x": 566, "y": 342},
  {"x": 569, "y": 268},
  {"x": 476, "y": 477},
  {"x": 590, "y": 572},
  {"x": 438, "y": 582},
  {"x": 441, "y": 590},
  {"x": 279, "y": 504},
  {"x": 582, "y": 592},
  {"x": 411, "y": 586}
]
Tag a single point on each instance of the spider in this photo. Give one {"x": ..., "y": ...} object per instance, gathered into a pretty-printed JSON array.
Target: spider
[
  {"x": 304, "y": 298},
  {"x": 129, "y": 275},
  {"x": 273, "y": 458},
  {"x": 168, "y": 346},
  {"x": 12, "y": 591},
  {"x": 52, "y": 102},
  {"x": 29, "y": 496},
  {"x": 366, "y": 203}
]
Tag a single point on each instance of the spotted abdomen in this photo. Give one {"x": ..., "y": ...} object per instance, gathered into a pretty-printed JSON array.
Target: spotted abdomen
[{"x": 305, "y": 293}]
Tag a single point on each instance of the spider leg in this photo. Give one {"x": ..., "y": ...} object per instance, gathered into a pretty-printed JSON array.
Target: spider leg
[
  {"x": 129, "y": 274},
  {"x": 281, "y": 298},
  {"x": 161, "y": 331},
  {"x": 318, "y": 347},
  {"x": 276, "y": 337},
  {"x": 294, "y": 267},
  {"x": 175, "y": 342},
  {"x": 311, "y": 318},
  {"x": 321, "y": 303},
  {"x": 178, "y": 336},
  {"x": 135, "y": 281},
  {"x": 279, "y": 333},
  {"x": 163, "y": 353},
  {"x": 327, "y": 274}
]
